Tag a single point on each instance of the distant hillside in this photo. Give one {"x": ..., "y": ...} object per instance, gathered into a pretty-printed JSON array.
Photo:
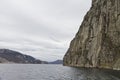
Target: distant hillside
[
  {"x": 56, "y": 62},
  {"x": 10, "y": 56}
]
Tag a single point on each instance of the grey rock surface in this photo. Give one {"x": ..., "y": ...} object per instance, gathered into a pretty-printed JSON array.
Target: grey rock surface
[{"x": 97, "y": 43}]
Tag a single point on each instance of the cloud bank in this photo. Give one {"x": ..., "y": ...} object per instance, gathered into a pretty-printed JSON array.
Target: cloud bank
[{"x": 40, "y": 28}]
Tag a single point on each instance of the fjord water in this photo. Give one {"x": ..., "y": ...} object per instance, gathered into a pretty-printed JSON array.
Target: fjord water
[{"x": 50, "y": 72}]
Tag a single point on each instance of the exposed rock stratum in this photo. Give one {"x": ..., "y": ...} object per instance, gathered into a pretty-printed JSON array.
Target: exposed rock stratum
[{"x": 97, "y": 43}]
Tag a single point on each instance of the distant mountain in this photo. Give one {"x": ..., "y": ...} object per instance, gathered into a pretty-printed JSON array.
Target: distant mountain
[
  {"x": 56, "y": 62},
  {"x": 10, "y": 56}
]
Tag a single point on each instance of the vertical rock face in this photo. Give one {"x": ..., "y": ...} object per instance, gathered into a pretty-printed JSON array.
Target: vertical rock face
[{"x": 97, "y": 43}]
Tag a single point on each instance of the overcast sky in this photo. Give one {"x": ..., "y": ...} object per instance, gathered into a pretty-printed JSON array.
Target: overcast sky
[{"x": 40, "y": 28}]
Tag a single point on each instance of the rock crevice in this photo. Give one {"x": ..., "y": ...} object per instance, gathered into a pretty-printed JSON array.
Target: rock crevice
[{"x": 97, "y": 42}]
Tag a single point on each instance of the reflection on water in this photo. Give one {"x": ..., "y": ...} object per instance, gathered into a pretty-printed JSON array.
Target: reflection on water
[
  {"x": 94, "y": 74},
  {"x": 53, "y": 72}
]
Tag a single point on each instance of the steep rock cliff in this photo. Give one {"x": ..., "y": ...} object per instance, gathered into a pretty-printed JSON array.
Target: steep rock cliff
[{"x": 97, "y": 43}]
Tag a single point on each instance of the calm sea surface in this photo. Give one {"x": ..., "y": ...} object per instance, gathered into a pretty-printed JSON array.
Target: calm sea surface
[{"x": 51, "y": 72}]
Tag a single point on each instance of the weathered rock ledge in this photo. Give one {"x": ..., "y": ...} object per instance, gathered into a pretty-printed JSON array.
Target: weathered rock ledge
[{"x": 97, "y": 43}]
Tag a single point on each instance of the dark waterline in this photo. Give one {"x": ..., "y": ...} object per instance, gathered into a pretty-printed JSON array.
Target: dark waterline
[{"x": 54, "y": 72}]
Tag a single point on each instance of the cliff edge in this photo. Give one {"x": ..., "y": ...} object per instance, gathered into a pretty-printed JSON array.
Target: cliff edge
[{"x": 97, "y": 43}]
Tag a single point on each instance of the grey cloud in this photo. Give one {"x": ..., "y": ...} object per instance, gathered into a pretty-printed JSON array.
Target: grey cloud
[{"x": 41, "y": 28}]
